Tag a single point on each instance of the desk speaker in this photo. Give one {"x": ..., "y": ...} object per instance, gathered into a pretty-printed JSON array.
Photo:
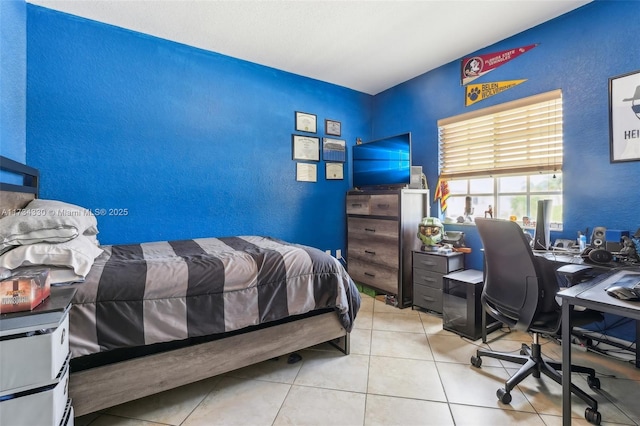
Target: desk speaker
[
  {"x": 416, "y": 177},
  {"x": 598, "y": 237}
]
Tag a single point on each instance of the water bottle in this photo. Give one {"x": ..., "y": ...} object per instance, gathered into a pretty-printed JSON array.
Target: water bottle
[{"x": 582, "y": 242}]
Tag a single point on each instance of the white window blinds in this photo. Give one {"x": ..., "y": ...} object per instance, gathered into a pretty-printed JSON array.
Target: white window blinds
[{"x": 518, "y": 137}]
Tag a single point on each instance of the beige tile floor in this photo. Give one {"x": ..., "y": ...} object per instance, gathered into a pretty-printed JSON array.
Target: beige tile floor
[{"x": 404, "y": 369}]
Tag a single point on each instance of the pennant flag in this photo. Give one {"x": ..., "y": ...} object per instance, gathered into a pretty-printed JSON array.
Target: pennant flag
[
  {"x": 478, "y": 92},
  {"x": 477, "y": 66},
  {"x": 442, "y": 192}
]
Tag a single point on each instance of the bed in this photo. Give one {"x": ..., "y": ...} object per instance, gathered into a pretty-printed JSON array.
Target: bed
[{"x": 150, "y": 317}]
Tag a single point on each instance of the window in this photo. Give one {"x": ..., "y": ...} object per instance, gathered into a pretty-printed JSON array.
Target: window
[{"x": 503, "y": 159}]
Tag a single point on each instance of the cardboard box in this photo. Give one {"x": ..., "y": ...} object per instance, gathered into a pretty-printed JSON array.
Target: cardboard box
[{"x": 24, "y": 290}]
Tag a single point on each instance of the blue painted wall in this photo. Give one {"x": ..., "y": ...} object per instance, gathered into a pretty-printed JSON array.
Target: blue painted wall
[
  {"x": 578, "y": 53},
  {"x": 191, "y": 143},
  {"x": 13, "y": 78}
]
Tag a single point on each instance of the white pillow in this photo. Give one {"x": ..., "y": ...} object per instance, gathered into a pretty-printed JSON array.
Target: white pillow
[
  {"x": 81, "y": 217},
  {"x": 46, "y": 221},
  {"x": 78, "y": 254}
]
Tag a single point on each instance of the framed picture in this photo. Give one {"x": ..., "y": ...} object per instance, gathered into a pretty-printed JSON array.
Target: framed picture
[
  {"x": 334, "y": 150},
  {"x": 334, "y": 171},
  {"x": 306, "y": 122},
  {"x": 306, "y": 148},
  {"x": 332, "y": 127},
  {"x": 624, "y": 117},
  {"x": 306, "y": 172}
]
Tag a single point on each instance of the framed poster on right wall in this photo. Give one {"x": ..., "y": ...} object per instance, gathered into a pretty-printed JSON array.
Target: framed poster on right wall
[{"x": 624, "y": 117}]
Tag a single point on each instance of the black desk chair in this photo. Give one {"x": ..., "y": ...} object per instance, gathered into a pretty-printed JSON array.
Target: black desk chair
[{"x": 519, "y": 291}]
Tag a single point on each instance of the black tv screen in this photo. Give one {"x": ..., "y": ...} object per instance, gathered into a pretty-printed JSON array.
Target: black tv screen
[{"x": 383, "y": 162}]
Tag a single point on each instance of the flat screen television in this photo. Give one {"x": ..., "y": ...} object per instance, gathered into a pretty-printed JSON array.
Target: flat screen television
[{"x": 382, "y": 163}]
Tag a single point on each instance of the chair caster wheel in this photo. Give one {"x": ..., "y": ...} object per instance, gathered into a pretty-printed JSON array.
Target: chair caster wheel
[
  {"x": 593, "y": 382},
  {"x": 503, "y": 396},
  {"x": 592, "y": 416},
  {"x": 476, "y": 361}
]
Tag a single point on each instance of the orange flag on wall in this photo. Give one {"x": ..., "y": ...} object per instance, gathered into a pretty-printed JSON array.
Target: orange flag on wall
[{"x": 442, "y": 193}]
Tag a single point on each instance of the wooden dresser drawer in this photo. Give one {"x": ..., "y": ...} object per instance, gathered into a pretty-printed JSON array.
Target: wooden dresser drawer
[
  {"x": 384, "y": 205},
  {"x": 30, "y": 360},
  {"x": 358, "y": 204},
  {"x": 377, "y": 252},
  {"x": 359, "y": 227},
  {"x": 44, "y": 408},
  {"x": 381, "y": 277},
  {"x": 438, "y": 263},
  {"x": 373, "y": 204}
]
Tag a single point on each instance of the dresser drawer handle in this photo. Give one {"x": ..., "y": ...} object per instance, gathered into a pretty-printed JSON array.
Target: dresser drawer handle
[
  {"x": 426, "y": 263},
  {"x": 383, "y": 206},
  {"x": 369, "y": 274},
  {"x": 356, "y": 204},
  {"x": 433, "y": 280},
  {"x": 429, "y": 299},
  {"x": 369, "y": 230},
  {"x": 370, "y": 252}
]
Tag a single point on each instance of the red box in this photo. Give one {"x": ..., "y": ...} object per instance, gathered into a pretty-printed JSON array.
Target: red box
[{"x": 24, "y": 291}]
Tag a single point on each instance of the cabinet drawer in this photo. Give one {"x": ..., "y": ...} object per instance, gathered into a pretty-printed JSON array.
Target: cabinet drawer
[
  {"x": 436, "y": 263},
  {"x": 384, "y": 205},
  {"x": 376, "y": 252},
  {"x": 427, "y": 298},
  {"x": 378, "y": 276},
  {"x": 427, "y": 278},
  {"x": 374, "y": 204},
  {"x": 365, "y": 228},
  {"x": 44, "y": 408},
  {"x": 358, "y": 204},
  {"x": 33, "y": 360}
]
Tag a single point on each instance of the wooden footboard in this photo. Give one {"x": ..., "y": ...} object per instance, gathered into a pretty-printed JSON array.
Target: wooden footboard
[{"x": 101, "y": 387}]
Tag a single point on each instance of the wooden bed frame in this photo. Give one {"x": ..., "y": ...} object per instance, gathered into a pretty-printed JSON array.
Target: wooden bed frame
[{"x": 102, "y": 387}]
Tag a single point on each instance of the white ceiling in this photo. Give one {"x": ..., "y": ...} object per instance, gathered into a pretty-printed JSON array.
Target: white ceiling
[{"x": 367, "y": 46}]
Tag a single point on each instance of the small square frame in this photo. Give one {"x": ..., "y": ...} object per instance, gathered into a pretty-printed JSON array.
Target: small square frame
[
  {"x": 306, "y": 122},
  {"x": 334, "y": 171},
  {"x": 306, "y": 172},
  {"x": 332, "y": 127},
  {"x": 334, "y": 150}
]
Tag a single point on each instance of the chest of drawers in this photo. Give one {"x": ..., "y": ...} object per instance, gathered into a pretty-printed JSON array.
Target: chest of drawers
[
  {"x": 428, "y": 272},
  {"x": 381, "y": 234},
  {"x": 34, "y": 364}
]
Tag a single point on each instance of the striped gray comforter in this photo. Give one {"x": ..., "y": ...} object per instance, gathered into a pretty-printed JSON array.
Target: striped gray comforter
[{"x": 172, "y": 290}]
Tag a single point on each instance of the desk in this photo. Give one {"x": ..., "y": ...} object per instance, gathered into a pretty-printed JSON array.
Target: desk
[
  {"x": 573, "y": 258},
  {"x": 591, "y": 295}
]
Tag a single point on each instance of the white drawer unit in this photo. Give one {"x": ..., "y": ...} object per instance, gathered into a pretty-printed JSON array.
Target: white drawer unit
[{"x": 34, "y": 364}]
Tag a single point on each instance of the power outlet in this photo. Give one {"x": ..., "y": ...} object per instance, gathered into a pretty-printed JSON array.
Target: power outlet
[
  {"x": 328, "y": 252},
  {"x": 338, "y": 254}
]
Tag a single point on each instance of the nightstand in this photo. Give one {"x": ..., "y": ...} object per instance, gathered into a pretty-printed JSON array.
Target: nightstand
[
  {"x": 428, "y": 271},
  {"x": 34, "y": 363}
]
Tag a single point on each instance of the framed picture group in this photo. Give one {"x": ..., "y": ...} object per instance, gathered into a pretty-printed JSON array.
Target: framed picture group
[{"x": 308, "y": 149}]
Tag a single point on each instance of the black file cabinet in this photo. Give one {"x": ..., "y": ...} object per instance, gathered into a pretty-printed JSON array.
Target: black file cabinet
[
  {"x": 428, "y": 272},
  {"x": 461, "y": 307}
]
